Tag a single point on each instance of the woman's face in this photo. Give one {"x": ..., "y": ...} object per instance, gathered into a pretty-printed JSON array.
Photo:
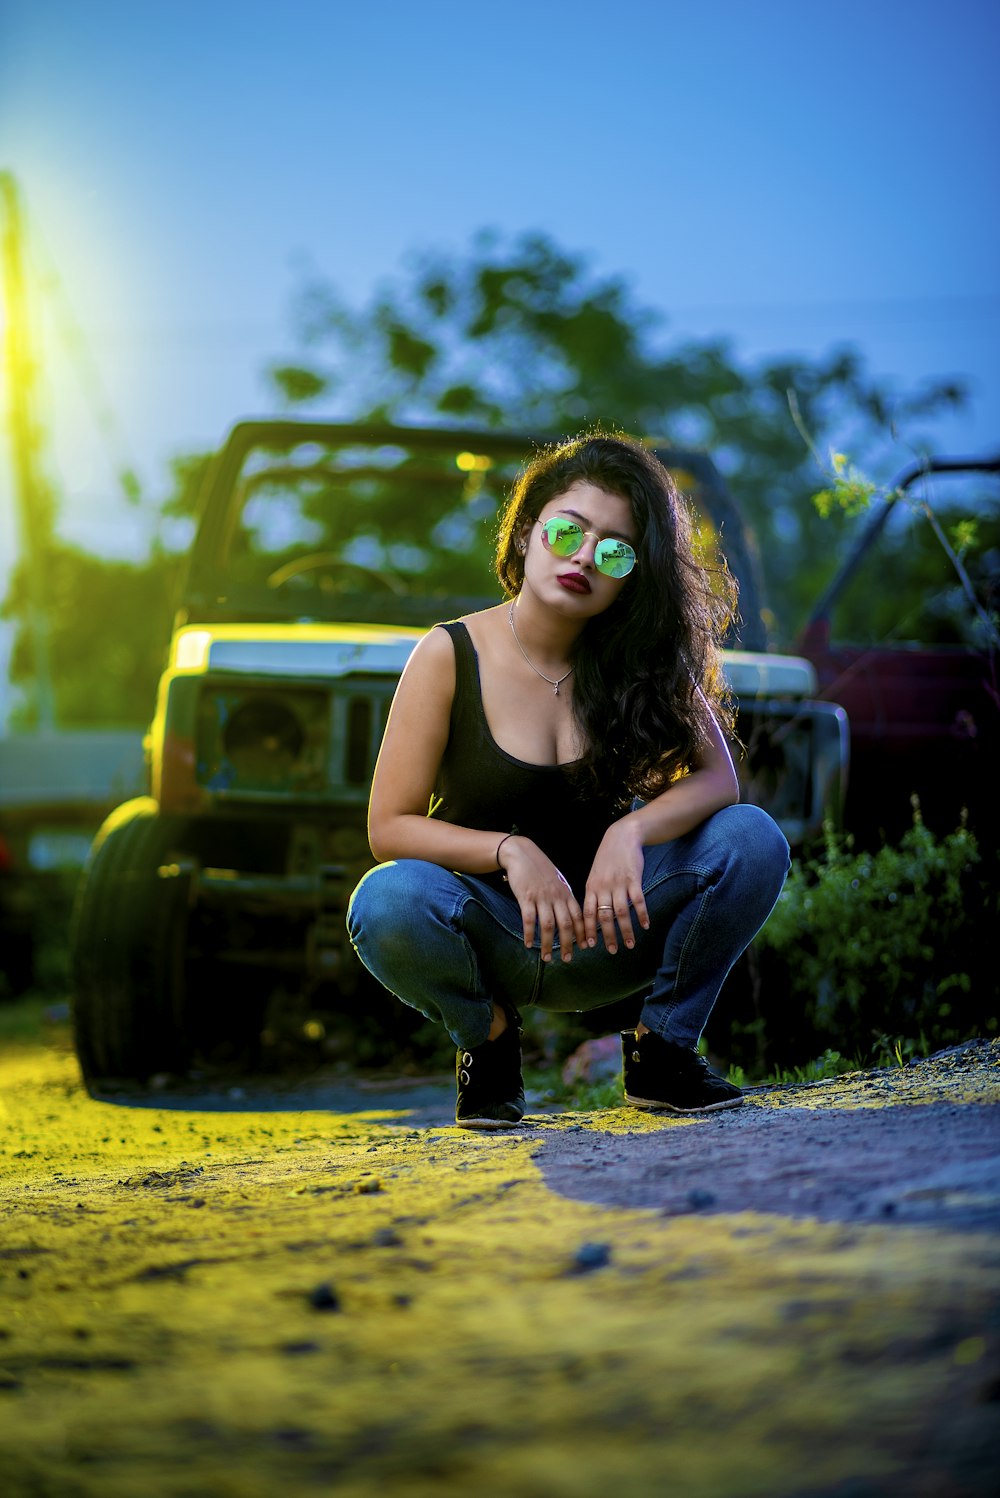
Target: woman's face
[{"x": 574, "y": 584}]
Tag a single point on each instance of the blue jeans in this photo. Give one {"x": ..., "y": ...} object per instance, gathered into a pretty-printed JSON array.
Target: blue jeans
[{"x": 449, "y": 944}]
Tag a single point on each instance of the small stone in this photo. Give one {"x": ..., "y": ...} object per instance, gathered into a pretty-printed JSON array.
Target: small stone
[
  {"x": 324, "y": 1298},
  {"x": 596, "y": 1060},
  {"x": 590, "y": 1256},
  {"x": 699, "y": 1200}
]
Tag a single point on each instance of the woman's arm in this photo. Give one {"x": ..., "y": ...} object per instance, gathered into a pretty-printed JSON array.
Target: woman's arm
[
  {"x": 405, "y": 776},
  {"x": 614, "y": 886},
  {"x": 407, "y": 769}
]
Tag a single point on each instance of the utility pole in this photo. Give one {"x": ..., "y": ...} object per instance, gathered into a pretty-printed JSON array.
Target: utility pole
[{"x": 32, "y": 496}]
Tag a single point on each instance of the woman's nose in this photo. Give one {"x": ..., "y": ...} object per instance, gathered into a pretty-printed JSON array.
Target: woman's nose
[{"x": 591, "y": 541}]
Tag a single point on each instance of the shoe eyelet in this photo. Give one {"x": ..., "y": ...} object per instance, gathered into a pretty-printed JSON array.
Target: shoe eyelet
[
  {"x": 466, "y": 1058},
  {"x": 635, "y": 1055},
  {"x": 463, "y": 1077}
]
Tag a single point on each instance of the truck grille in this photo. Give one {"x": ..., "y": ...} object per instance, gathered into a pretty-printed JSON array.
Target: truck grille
[{"x": 359, "y": 712}]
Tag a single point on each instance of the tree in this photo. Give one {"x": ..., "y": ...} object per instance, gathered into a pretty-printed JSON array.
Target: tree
[
  {"x": 520, "y": 335},
  {"x": 523, "y": 335},
  {"x": 109, "y": 623}
]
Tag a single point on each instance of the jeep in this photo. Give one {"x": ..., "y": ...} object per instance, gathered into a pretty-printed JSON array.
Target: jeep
[{"x": 210, "y": 915}]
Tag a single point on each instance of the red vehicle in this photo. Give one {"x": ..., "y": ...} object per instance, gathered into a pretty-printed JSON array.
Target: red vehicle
[{"x": 924, "y": 718}]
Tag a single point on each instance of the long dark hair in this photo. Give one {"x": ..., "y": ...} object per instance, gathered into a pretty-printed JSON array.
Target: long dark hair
[{"x": 638, "y": 665}]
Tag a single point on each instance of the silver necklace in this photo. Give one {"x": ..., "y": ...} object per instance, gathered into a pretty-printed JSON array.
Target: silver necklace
[{"x": 555, "y": 685}]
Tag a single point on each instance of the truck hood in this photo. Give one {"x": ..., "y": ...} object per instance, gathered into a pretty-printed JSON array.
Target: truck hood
[
  {"x": 330, "y": 650},
  {"x": 313, "y": 650},
  {"x": 754, "y": 674}
]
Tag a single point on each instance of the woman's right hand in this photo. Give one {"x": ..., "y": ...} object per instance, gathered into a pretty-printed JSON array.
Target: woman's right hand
[{"x": 547, "y": 903}]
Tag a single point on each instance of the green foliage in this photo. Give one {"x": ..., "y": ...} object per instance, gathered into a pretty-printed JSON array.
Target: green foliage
[
  {"x": 823, "y": 1069},
  {"x": 297, "y": 384},
  {"x": 522, "y": 334},
  {"x": 546, "y": 1088},
  {"x": 850, "y": 491},
  {"x": 934, "y": 606},
  {"x": 517, "y": 334},
  {"x": 32, "y": 1021},
  {"x": 964, "y": 535},
  {"x": 109, "y": 625},
  {"x": 891, "y": 943}
]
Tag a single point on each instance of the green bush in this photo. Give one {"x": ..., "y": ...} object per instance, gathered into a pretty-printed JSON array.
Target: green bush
[{"x": 876, "y": 953}]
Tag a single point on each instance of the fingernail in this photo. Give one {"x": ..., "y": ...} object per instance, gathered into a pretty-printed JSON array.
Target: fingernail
[
  {"x": 630, "y": 945},
  {"x": 612, "y": 950},
  {"x": 592, "y": 942}
]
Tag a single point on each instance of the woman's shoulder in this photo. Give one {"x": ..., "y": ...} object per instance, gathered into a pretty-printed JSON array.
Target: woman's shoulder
[
  {"x": 440, "y": 645},
  {"x": 483, "y": 626}
]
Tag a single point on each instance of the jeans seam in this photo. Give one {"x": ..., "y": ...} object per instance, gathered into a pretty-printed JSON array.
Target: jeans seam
[
  {"x": 457, "y": 922},
  {"x": 700, "y": 871},
  {"x": 693, "y": 933}
]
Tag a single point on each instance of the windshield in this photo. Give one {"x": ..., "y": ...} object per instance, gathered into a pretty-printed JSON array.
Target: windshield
[
  {"x": 332, "y": 521},
  {"x": 311, "y": 520}
]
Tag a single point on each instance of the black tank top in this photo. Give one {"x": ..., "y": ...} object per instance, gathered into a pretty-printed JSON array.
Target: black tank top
[{"x": 479, "y": 785}]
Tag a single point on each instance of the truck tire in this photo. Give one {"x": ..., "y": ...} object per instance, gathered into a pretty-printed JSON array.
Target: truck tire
[{"x": 128, "y": 949}]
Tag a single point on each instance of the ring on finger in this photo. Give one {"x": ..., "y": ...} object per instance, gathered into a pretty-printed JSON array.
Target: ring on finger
[{"x": 605, "y": 907}]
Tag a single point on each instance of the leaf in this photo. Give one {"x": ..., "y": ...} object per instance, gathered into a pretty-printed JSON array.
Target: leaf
[
  {"x": 297, "y": 384},
  {"x": 964, "y": 535}
]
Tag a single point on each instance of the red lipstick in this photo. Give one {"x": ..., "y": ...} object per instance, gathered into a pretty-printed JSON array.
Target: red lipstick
[{"x": 573, "y": 582}]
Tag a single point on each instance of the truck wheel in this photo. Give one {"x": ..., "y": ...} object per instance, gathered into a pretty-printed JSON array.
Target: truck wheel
[{"x": 128, "y": 949}]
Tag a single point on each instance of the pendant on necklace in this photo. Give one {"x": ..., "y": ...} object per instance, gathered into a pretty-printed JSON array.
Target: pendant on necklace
[{"x": 555, "y": 689}]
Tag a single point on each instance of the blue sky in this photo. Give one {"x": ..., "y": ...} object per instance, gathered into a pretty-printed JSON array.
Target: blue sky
[{"x": 790, "y": 176}]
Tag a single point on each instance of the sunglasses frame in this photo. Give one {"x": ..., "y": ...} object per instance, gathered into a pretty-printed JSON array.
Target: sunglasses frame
[{"x": 571, "y": 525}]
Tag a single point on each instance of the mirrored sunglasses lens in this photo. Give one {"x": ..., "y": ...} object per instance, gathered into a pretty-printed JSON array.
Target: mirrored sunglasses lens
[
  {"x": 562, "y": 537},
  {"x": 614, "y": 558}
]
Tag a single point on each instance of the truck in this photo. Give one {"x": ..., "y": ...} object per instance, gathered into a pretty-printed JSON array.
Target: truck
[{"x": 210, "y": 919}]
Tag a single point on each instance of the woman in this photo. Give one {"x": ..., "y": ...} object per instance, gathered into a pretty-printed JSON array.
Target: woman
[{"x": 554, "y": 802}]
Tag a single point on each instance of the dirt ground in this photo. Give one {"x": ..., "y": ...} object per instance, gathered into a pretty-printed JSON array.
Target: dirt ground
[{"x": 327, "y": 1288}]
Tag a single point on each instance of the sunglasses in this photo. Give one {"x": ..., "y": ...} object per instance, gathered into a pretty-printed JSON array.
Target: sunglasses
[{"x": 564, "y": 538}]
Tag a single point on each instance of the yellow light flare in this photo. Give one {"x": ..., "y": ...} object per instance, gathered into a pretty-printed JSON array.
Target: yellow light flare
[{"x": 473, "y": 462}]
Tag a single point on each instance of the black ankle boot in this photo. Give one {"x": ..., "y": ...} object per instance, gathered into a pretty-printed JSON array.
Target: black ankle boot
[
  {"x": 659, "y": 1074},
  {"x": 490, "y": 1089}
]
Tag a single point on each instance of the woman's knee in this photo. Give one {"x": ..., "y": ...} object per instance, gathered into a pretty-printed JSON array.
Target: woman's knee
[
  {"x": 763, "y": 837},
  {"x": 403, "y": 901},
  {"x": 748, "y": 836},
  {"x": 389, "y": 896},
  {"x": 381, "y": 916},
  {"x": 758, "y": 860}
]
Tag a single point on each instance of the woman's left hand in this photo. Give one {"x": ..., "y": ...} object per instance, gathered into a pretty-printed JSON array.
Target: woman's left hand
[{"x": 614, "y": 888}]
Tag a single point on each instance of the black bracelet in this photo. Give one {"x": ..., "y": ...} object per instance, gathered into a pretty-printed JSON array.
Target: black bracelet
[{"x": 500, "y": 845}]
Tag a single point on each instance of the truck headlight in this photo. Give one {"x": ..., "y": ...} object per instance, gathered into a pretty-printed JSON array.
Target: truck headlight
[{"x": 262, "y": 741}]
